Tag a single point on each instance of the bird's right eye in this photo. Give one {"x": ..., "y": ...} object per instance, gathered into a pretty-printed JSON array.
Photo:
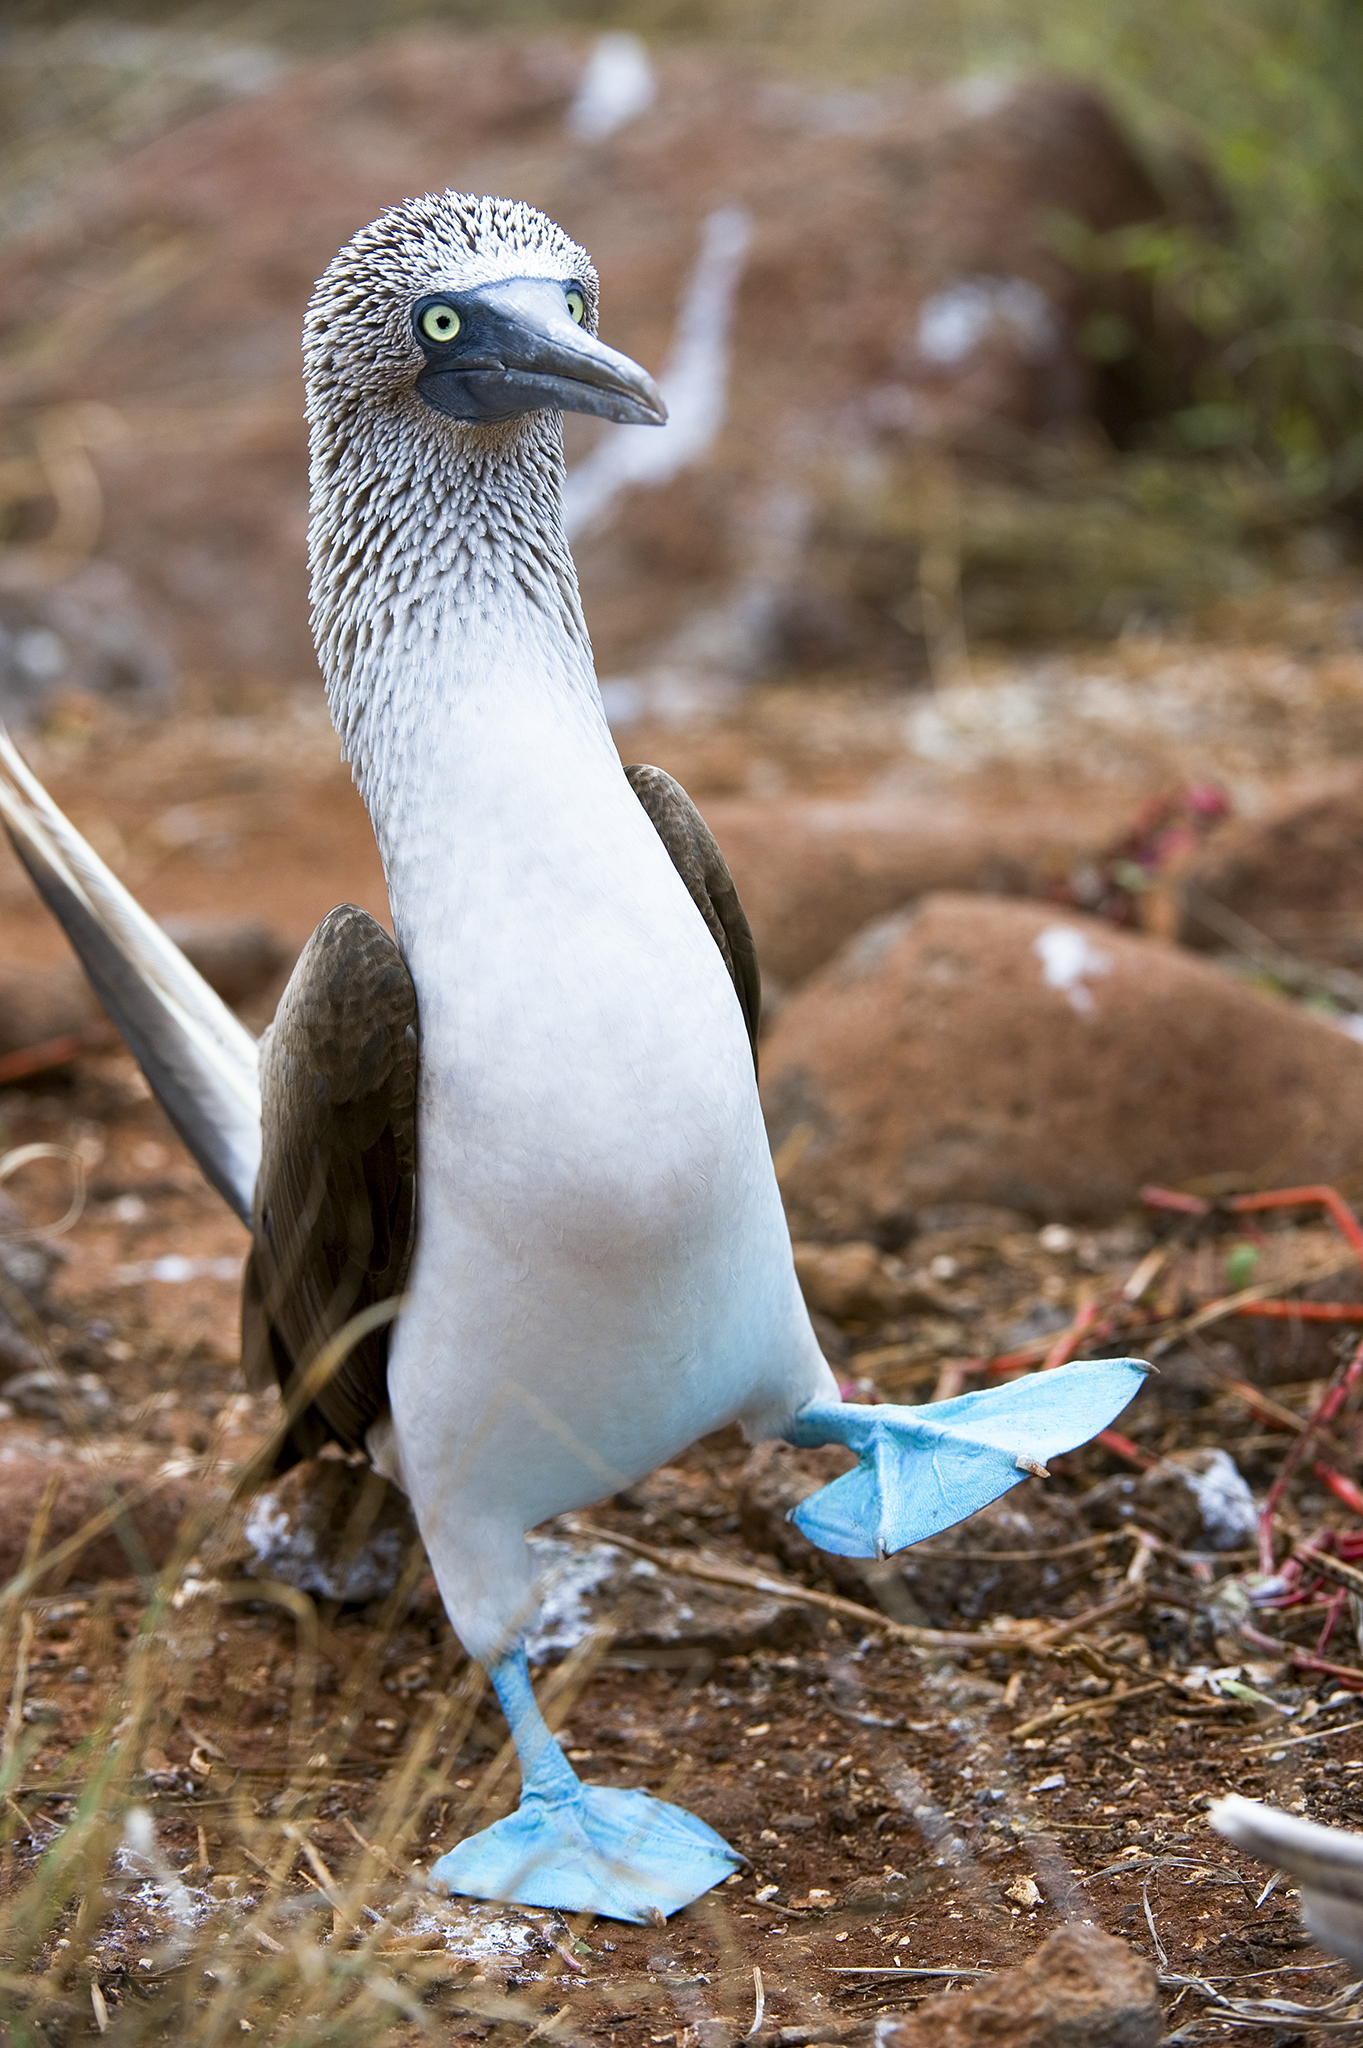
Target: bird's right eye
[{"x": 440, "y": 323}]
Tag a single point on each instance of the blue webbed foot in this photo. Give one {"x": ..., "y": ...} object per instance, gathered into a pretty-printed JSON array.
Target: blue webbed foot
[
  {"x": 621, "y": 1854},
  {"x": 921, "y": 1469},
  {"x": 581, "y": 1848}
]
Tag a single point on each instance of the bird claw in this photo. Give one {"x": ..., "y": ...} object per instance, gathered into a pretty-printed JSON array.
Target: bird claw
[
  {"x": 618, "y": 1853},
  {"x": 919, "y": 1470}
]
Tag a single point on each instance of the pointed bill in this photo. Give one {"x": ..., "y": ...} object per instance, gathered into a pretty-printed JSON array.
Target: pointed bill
[{"x": 518, "y": 350}]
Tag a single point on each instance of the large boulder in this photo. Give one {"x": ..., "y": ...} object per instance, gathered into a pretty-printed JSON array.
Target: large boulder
[
  {"x": 1294, "y": 873},
  {"x": 903, "y": 283},
  {"x": 136, "y": 1518},
  {"x": 811, "y": 871},
  {"x": 987, "y": 1051},
  {"x": 239, "y": 957}
]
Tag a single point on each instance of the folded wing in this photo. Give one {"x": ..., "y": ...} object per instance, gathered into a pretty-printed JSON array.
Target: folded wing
[
  {"x": 694, "y": 853},
  {"x": 335, "y": 1203}
]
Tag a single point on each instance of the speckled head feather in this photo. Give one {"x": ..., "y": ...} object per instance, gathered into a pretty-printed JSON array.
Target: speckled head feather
[
  {"x": 414, "y": 514},
  {"x": 357, "y": 337}
]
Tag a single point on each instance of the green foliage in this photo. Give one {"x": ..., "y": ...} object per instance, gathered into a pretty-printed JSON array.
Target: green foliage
[
  {"x": 1275, "y": 287},
  {"x": 1251, "y": 116},
  {"x": 1249, "y": 111},
  {"x": 1242, "y": 1261},
  {"x": 1246, "y": 391}
]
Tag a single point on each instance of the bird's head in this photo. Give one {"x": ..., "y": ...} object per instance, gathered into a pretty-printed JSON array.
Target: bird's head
[{"x": 475, "y": 310}]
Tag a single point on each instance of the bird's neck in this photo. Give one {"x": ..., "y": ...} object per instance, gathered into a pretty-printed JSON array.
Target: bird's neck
[{"x": 445, "y": 611}]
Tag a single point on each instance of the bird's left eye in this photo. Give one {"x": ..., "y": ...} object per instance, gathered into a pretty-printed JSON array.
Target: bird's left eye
[
  {"x": 440, "y": 323},
  {"x": 577, "y": 304}
]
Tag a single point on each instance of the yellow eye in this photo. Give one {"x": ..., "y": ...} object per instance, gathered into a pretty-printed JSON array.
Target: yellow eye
[
  {"x": 440, "y": 323},
  {"x": 577, "y": 304}
]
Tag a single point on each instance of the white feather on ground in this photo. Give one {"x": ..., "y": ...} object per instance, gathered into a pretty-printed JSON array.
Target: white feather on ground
[{"x": 1326, "y": 1862}]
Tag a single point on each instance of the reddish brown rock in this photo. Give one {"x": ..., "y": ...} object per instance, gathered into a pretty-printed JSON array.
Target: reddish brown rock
[
  {"x": 239, "y": 957},
  {"x": 1082, "y": 1989},
  {"x": 1295, "y": 874},
  {"x": 334, "y": 1528},
  {"x": 859, "y": 1281},
  {"x": 903, "y": 282},
  {"x": 145, "y": 1531},
  {"x": 646, "y": 1612},
  {"x": 775, "y": 1478},
  {"x": 987, "y": 1051},
  {"x": 38, "y": 1004},
  {"x": 1196, "y": 1499},
  {"x": 989, "y": 1565},
  {"x": 813, "y": 870}
]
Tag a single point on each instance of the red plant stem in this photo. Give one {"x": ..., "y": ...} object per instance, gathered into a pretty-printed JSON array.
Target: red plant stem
[
  {"x": 1011, "y": 1361},
  {"x": 1068, "y": 1342},
  {"x": 1326, "y": 1410},
  {"x": 1257, "y": 1640},
  {"x": 1336, "y": 1609},
  {"x": 40, "y": 1059},
  {"x": 1296, "y": 1572},
  {"x": 1294, "y": 1588},
  {"x": 1329, "y": 1199},
  {"x": 1085, "y": 1324},
  {"x": 1003, "y": 1361},
  {"x": 1347, "y": 1674},
  {"x": 1342, "y": 1488},
  {"x": 1124, "y": 1448},
  {"x": 1260, "y": 1407},
  {"x": 1302, "y": 1660},
  {"x": 1305, "y": 1311},
  {"x": 1169, "y": 1198}
]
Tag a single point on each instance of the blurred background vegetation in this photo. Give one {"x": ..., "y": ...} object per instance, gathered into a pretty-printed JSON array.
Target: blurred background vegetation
[{"x": 1249, "y": 114}]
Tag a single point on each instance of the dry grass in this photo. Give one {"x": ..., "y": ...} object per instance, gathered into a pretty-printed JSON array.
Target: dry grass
[
  {"x": 337, "y": 1951},
  {"x": 165, "y": 1878}
]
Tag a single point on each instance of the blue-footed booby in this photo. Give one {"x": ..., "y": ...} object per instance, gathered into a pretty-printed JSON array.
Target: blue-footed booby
[{"x": 532, "y": 1123}]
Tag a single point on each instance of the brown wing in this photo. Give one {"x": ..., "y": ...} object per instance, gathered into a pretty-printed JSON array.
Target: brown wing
[
  {"x": 695, "y": 854},
  {"x": 335, "y": 1199}
]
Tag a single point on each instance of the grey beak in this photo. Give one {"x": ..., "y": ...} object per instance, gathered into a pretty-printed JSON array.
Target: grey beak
[{"x": 519, "y": 350}]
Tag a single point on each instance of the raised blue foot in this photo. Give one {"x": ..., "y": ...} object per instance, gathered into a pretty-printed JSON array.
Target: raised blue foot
[
  {"x": 921, "y": 1469},
  {"x": 581, "y": 1848}
]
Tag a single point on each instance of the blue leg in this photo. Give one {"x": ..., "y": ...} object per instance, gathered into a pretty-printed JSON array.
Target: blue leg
[
  {"x": 921, "y": 1469},
  {"x": 581, "y": 1848}
]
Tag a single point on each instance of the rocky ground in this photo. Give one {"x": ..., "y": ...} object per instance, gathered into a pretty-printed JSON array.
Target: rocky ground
[
  {"x": 1054, "y": 857},
  {"x": 932, "y": 1767}
]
